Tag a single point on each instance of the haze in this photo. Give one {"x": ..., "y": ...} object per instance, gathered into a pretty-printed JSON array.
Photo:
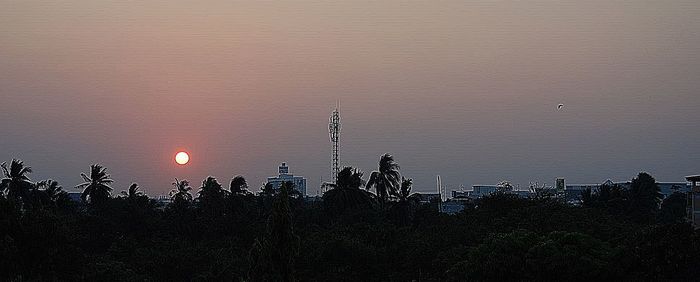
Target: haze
[{"x": 464, "y": 89}]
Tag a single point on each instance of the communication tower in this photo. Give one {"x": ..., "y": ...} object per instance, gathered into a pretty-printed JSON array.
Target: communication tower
[{"x": 334, "y": 134}]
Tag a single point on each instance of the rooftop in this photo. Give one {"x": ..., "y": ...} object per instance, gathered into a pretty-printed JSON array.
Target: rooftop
[{"x": 693, "y": 178}]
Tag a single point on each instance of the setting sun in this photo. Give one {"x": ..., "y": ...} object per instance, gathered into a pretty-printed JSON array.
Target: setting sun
[{"x": 182, "y": 158}]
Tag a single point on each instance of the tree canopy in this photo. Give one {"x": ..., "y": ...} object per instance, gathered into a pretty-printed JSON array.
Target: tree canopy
[{"x": 618, "y": 233}]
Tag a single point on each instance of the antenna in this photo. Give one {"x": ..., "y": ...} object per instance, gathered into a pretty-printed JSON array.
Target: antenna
[
  {"x": 334, "y": 134},
  {"x": 439, "y": 188}
]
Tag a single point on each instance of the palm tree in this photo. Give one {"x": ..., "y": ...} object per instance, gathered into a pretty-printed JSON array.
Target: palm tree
[
  {"x": 16, "y": 182},
  {"x": 405, "y": 191},
  {"x": 50, "y": 192},
  {"x": 346, "y": 193},
  {"x": 404, "y": 209},
  {"x": 238, "y": 185},
  {"x": 279, "y": 248},
  {"x": 211, "y": 190},
  {"x": 266, "y": 195},
  {"x": 386, "y": 179},
  {"x": 133, "y": 192},
  {"x": 181, "y": 192},
  {"x": 211, "y": 196},
  {"x": 96, "y": 186}
]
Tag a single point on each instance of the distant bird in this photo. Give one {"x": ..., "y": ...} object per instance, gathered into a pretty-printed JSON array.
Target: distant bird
[{"x": 560, "y": 106}]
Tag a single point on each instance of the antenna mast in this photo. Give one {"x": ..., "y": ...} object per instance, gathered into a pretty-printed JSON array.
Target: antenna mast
[
  {"x": 440, "y": 189},
  {"x": 334, "y": 134}
]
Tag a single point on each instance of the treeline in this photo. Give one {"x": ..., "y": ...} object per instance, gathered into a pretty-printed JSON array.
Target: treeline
[{"x": 364, "y": 229}]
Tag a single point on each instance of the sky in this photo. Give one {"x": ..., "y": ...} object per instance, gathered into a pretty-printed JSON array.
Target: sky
[{"x": 463, "y": 89}]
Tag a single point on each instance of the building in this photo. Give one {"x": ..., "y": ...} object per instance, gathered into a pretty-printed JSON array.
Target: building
[
  {"x": 425, "y": 198},
  {"x": 479, "y": 191},
  {"x": 666, "y": 188},
  {"x": 572, "y": 192},
  {"x": 560, "y": 185},
  {"x": 461, "y": 195},
  {"x": 162, "y": 200},
  {"x": 694, "y": 200},
  {"x": 75, "y": 196},
  {"x": 284, "y": 176},
  {"x": 451, "y": 207},
  {"x": 521, "y": 193}
]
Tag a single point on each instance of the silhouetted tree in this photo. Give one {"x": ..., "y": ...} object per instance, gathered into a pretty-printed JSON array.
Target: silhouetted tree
[
  {"x": 211, "y": 196},
  {"x": 569, "y": 256},
  {"x": 50, "y": 193},
  {"x": 346, "y": 193},
  {"x": 180, "y": 195},
  {"x": 661, "y": 253},
  {"x": 180, "y": 209},
  {"x": 136, "y": 212},
  {"x": 136, "y": 199},
  {"x": 96, "y": 186},
  {"x": 267, "y": 190},
  {"x": 238, "y": 185},
  {"x": 16, "y": 184},
  {"x": 404, "y": 208},
  {"x": 405, "y": 191},
  {"x": 500, "y": 237},
  {"x": 259, "y": 265},
  {"x": 500, "y": 258},
  {"x": 386, "y": 179},
  {"x": 610, "y": 197},
  {"x": 241, "y": 204},
  {"x": 504, "y": 186},
  {"x": 542, "y": 191},
  {"x": 133, "y": 192},
  {"x": 280, "y": 247},
  {"x": 211, "y": 189},
  {"x": 644, "y": 197},
  {"x": 674, "y": 208}
]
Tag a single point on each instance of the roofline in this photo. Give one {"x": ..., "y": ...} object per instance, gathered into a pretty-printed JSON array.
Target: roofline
[{"x": 692, "y": 177}]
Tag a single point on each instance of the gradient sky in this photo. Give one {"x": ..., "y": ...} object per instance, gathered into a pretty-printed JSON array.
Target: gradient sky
[{"x": 464, "y": 89}]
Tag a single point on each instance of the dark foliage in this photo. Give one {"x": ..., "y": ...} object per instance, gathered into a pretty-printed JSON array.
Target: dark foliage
[
  {"x": 346, "y": 194},
  {"x": 386, "y": 179},
  {"x": 97, "y": 190},
  {"x": 618, "y": 234}
]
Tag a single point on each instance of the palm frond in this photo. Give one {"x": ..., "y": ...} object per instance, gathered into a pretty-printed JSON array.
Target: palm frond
[
  {"x": 373, "y": 180},
  {"x": 25, "y": 170},
  {"x": 4, "y": 169},
  {"x": 134, "y": 189},
  {"x": 104, "y": 187}
]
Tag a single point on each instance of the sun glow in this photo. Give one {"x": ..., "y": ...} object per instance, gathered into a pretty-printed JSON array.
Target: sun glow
[{"x": 182, "y": 158}]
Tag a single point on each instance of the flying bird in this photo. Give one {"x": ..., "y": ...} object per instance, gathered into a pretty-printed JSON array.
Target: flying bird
[{"x": 560, "y": 106}]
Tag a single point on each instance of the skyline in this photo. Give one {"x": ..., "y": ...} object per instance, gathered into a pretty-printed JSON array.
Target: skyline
[{"x": 468, "y": 91}]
